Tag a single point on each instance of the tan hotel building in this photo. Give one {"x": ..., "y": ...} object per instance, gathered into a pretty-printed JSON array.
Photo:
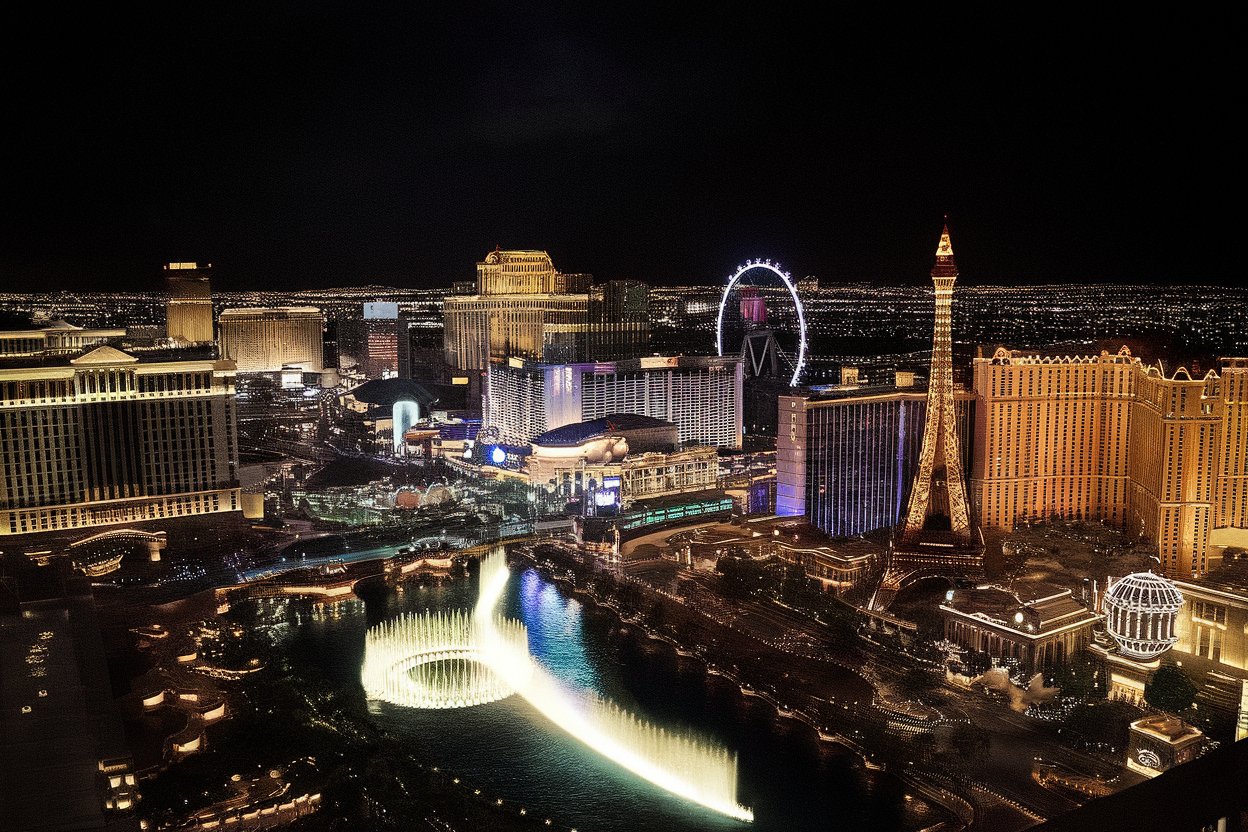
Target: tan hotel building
[
  {"x": 1107, "y": 438},
  {"x": 524, "y": 308},
  {"x": 266, "y": 340},
  {"x": 520, "y": 308},
  {"x": 105, "y": 439}
]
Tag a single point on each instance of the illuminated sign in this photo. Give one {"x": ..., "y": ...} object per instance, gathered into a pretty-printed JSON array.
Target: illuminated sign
[
  {"x": 497, "y": 455},
  {"x": 1148, "y": 758},
  {"x": 381, "y": 311},
  {"x": 609, "y": 494}
]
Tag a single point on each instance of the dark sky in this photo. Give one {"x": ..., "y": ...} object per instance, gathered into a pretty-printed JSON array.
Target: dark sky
[{"x": 316, "y": 144}]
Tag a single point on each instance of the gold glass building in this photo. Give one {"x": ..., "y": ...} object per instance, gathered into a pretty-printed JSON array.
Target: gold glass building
[
  {"x": 188, "y": 315},
  {"x": 265, "y": 340},
  {"x": 106, "y": 439}
]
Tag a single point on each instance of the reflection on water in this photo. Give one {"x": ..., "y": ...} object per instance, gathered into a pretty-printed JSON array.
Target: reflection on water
[
  {"x": 555, "y": 631},
  {"x": 510, "y": 751}
]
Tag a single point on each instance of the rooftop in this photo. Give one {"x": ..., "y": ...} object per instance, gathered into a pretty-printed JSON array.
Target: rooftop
[
  {"x": 268, "y": 311},
  {"x": 1232, "y": 575},
  {"x": 387, "y": 391},
  {"x": 1033, "y": 609},
  {"x": 104, "y": 356},
  {"x": 581, "y": 432},
  {"x": 1170, "y": 728}
]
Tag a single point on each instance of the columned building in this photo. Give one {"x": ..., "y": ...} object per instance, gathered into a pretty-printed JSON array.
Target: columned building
[
  {"x": 106, "y": 439},
  {"x": 524, "y": 308},
  {"x": 516, "y": 273},
  {"x": 1162, "y": 456},
  {"x": 1042, "y": 628},
  {"x": 266, "y": 340},
  {"x": 533, "y": 327},
  {"x": 57, "y": 338}
]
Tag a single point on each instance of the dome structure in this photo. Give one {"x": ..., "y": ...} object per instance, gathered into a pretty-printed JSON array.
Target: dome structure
[
  {"x": 407, "y": 499},
  {"x": 1140, "y": 611},
  {"x": 437, "y": 495}
]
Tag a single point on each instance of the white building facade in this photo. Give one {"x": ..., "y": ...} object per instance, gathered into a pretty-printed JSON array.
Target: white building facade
[{"x": 700, "y": 394}]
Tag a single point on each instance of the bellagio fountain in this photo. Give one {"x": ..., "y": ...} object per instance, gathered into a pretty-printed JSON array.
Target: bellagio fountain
[{"x": 466, "y": 658}]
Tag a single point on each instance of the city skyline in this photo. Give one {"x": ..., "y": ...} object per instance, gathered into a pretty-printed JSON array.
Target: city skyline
[
  {"x": 309, "y": 147},
  {"x": 512, "y": 419}
]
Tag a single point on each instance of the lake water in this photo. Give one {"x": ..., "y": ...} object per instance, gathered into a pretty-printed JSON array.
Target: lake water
[{"x": 792, "y": 781}]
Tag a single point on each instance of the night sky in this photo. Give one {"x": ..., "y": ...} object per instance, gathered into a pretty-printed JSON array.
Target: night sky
[{"x": 312, "y": 144}]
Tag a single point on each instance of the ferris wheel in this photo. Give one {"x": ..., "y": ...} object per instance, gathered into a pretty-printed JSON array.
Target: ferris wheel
[{"x": 761, "y": 300}]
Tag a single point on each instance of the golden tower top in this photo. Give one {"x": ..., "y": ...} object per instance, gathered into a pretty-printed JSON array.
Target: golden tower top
[{"x": 945, "y": 267}]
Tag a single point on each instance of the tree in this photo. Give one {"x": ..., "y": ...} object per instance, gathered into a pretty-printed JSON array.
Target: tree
[
  {"x": 1170, "y": 689},
  {"x": 1081, "y": 679},
  {"x": 916, "y": 680},
  {"x": 1100, "y": 723}
]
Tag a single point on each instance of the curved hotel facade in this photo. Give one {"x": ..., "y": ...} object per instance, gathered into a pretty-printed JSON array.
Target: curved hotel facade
[
  {"x": 265, "y": 340},
  {"x": 700, "y": 394}
]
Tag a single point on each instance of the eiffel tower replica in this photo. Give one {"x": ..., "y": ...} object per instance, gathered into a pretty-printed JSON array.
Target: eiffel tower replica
[{"x": 936, "y": 537}]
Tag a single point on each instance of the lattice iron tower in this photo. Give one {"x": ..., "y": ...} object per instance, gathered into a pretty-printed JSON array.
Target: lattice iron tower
[{"x": 939, "y": 489}]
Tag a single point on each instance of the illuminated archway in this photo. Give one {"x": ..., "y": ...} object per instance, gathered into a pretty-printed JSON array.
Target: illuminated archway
[{"x": 786, "y": 278}]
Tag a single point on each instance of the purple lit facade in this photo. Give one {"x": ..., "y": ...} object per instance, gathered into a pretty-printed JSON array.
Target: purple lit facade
[{"x": 846, "y": 460}]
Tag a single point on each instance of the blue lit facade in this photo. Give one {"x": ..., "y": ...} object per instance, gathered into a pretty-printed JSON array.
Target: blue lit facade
[{"x": 846, "y": 461}]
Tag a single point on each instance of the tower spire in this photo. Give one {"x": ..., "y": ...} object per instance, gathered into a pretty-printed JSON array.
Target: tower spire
[
  {"x": 938, "y": 497},
  {"x": 944, "y": 255}
]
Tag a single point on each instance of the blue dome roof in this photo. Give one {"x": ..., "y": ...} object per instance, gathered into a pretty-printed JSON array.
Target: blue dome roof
[{"x": 580, "y": 432}]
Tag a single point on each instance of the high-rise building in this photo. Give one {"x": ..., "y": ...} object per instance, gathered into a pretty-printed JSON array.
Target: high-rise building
[
  {"x": 524, "y": 308},
  {"x": 1164, "y": 457},
  {"x": 543, "y": 327},
  {"x": 846, "y": 459},
  {"x": 702, "y": 395},
  {"x": 937, "y": 529},
  {"x": 189, "y": 311},
  {"x": 106, "y": 439},
  {"x": 371, "y": 343},
  {"x": 618, "y": 326},
  {"x": 265, "y": 340},
  {"x": 516, "y": 273}
]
